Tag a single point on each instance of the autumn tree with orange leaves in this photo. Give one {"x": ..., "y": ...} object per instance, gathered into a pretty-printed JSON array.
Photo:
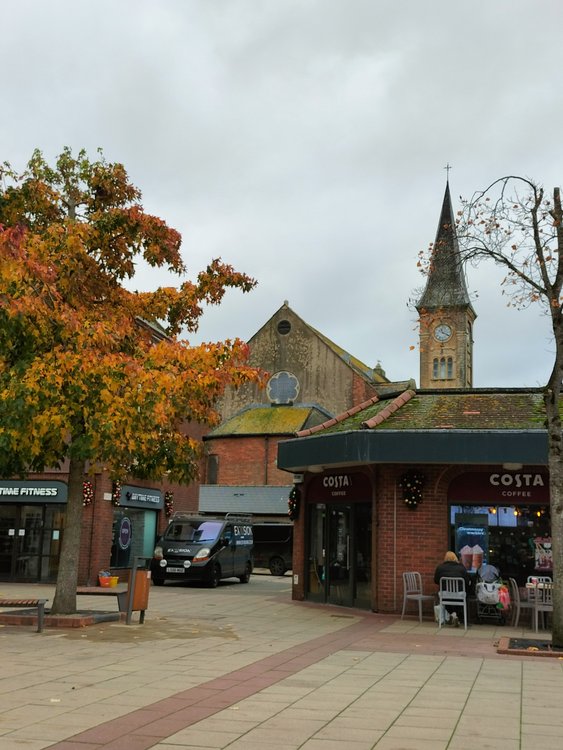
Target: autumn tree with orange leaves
[{"x": 82, "y": 376}]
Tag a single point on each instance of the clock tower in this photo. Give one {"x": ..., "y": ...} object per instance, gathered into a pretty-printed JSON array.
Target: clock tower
[{"x": 445, "y": 312}]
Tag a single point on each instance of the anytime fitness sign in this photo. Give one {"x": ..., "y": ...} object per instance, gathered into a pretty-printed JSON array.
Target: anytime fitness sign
[
  {"x": 23, "y": 491},
  {"x": 141, "y": 497}
]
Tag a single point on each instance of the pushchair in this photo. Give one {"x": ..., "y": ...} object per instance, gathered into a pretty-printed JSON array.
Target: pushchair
[{"x": 488, "y": 593}]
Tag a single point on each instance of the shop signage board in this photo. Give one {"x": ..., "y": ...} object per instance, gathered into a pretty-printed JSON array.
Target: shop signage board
[
  {"x": 501, "y": 487},
  {"x": 141, "y": 497},
  {"x": 341, "y": 487},
  {"x": 27, "y": 491},
  {"x": 124, "y": 535}
]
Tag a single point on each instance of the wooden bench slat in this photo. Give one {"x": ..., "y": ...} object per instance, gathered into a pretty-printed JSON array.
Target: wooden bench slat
[{"x": 121, "y": 592}]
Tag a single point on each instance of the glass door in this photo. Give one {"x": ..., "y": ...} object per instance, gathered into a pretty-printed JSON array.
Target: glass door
[
  {"x": 28, "y": 543},
  {"x": 339, "y": 553},
  {"x": 340, "y": 588},
  {"x": 30, "y": 538},
  {"x": 8, "y": 522}
]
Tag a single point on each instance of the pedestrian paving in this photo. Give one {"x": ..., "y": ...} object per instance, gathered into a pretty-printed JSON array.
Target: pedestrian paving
[{"x": 242, "y": 666}]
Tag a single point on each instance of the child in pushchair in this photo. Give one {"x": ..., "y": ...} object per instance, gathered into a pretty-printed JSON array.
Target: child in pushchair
[{"x": 492, "y": 595}]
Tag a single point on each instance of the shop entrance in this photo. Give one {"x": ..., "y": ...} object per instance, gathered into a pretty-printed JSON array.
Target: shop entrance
[
  {"x": 340, "y": 554},
  {"x": 30, "y": 538}
]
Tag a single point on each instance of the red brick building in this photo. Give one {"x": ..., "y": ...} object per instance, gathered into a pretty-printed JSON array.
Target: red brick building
[
  {"x": 393, "y": 486},
  {"x": 119, "y": 522}
]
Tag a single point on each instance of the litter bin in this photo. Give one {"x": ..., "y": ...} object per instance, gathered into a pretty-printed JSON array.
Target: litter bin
[
  {"x": 141, "y": 590},
  {"x": 139, "y": 586}
]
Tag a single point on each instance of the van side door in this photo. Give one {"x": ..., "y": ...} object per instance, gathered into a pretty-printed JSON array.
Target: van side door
[
  {"x": 243, "y": 547},
  {"x": 226, "y": 555}
]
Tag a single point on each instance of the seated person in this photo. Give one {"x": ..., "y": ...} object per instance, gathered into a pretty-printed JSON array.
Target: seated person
[{"x": 452, "y": 568}]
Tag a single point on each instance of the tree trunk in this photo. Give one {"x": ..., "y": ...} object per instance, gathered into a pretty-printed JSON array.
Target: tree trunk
[
  {"x": 555, "y": 455},
  {"x": 64, "y": 602}
]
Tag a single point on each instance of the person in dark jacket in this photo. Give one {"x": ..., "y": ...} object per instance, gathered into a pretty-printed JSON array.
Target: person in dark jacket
[{"x": 452, "y": 568}]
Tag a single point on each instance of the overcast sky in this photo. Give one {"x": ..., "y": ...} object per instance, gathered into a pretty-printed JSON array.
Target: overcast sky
[{"x": 304, "y": 142}]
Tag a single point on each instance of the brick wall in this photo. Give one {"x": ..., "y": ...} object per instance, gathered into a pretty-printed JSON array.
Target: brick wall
[
  {"x": 408, "y": 539},
  {"x": 403, "y": 538},
  {"x": 248, "y": 460}
]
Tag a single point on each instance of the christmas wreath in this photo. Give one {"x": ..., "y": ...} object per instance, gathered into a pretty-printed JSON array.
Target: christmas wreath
[
  {"x": 116, "y": 493},
  {"x": 87, "y": 493},
  {"x": 168, "y": 503},
  {"x": 293, "y": 503},
  {"x": 412, "y": 484}
]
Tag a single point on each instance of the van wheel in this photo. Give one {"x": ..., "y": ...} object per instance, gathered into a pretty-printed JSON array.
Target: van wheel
[
  {"x": 277, "y": 566},
  {"x": 214, "y": 576},
  {"x": 246, "y": 577}
]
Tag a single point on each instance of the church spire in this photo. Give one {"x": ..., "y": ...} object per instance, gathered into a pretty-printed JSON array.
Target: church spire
[
  {"x": 445, "y": 285},
  {"x": 446, "y": 315}
]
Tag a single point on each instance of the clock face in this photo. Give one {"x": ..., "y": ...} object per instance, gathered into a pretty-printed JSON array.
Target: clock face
[{"x": 442, "y": 332}]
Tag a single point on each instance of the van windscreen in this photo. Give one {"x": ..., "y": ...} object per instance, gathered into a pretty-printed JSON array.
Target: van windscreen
[{"x": 194, "y": 531}]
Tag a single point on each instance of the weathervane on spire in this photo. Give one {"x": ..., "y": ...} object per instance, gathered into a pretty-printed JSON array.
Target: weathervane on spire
[{"x": 447, "y": 168}]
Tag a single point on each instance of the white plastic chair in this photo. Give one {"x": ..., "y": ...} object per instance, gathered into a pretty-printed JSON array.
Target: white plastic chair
[
  {"x": 412, "y": 590},
  {"x": 452, "y": 593}
]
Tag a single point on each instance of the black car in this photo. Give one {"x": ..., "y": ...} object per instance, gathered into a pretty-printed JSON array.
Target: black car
[{"x": 273, "y": 547}]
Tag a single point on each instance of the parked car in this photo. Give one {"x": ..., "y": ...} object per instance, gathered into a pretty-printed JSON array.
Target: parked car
[
  {"x": 273, "y": 547},
  {"x": 197, "y": 547}
]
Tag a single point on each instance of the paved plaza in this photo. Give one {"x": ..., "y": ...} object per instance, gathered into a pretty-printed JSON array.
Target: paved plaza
[{"x": 245, "y": 668}]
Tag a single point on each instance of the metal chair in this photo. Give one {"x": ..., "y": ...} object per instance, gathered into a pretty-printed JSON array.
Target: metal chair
[
  {"x": 517, "y": 603},
  {"x": 543, "y": 602},
  {"x": 532, "y": 589},
  {"x": 412, "y": 590},
  {"x": 452, "y": 593}
]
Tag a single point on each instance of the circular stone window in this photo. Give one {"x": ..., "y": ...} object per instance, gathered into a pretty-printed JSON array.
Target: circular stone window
[
  {"x": 284, "y": 327},
  {"x": 283, "y": 388}
]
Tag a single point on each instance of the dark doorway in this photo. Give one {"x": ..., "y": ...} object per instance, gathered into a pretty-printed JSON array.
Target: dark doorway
[
  {"x": 340, "y": 554},
  {"x": 30, "y": 539}
]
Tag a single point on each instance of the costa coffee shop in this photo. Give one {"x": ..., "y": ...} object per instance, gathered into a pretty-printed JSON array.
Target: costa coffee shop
[{"x": 392, "y": 485}]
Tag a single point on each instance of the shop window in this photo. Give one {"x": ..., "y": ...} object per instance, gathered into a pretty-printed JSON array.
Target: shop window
[
  {"x": 518, "y": 537},
  {"x": 134, "y": 535}
]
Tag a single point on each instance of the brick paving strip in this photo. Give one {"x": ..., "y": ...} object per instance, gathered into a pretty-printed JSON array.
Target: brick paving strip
[{"x": 145, "y": 727}]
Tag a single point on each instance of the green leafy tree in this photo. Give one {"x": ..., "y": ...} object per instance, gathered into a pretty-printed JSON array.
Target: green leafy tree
[
  {"x": 83, "y": 377},
  {"x": 514, "y": 224}
]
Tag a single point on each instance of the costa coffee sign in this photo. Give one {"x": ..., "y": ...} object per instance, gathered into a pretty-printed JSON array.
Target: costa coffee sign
[
  {"x": 500, "y": 486},
  {"x": 346, "y": 486}
]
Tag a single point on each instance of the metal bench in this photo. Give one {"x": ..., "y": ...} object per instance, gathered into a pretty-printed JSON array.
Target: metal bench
[{"x": 29, "y": 604}]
